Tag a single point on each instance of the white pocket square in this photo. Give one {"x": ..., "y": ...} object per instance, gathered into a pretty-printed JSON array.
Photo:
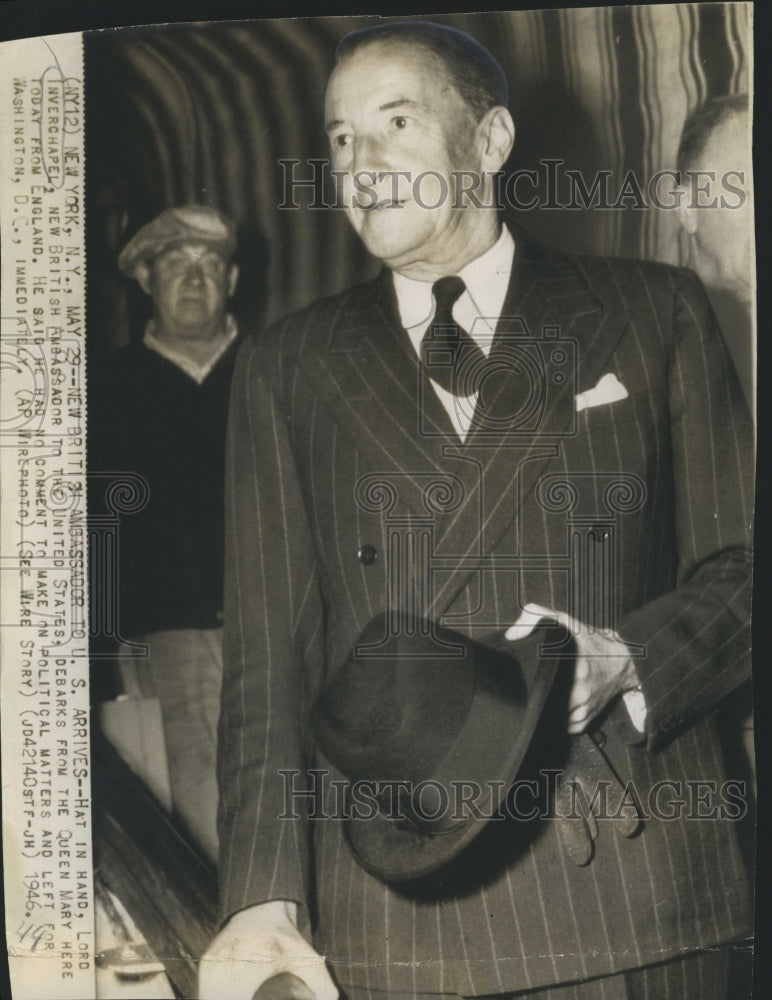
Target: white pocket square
[{"x": 608, "y": 390}]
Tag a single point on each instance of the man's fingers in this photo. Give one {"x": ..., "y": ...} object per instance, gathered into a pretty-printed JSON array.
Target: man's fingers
[
  {"x": 295, "y": 986},
  {"x": 577, "y": 708},
  {"x": 581, "y": 691},
  {"x": 226, "y": 978},
  {"x": 226, "y": 975},
  {"x": 260, "y": 944},
  {"x": 318, "y": 980},
  {"x": 530, "y": 617},
  {"x": 524, "y": 625},
  {"x": 284, "y": 986},
  {"x": 309, "y": 966}
]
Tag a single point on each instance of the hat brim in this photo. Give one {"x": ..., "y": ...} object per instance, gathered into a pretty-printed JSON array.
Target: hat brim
[
  {"x": 129, "y": 263},
  {"x": 395, "y": 851}
]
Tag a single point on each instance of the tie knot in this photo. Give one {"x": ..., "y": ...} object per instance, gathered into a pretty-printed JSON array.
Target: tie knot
[{"x": 446, "y": 292}]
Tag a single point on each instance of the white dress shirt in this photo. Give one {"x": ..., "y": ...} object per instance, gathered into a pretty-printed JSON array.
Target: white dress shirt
[{"x": 477, "y": 311}]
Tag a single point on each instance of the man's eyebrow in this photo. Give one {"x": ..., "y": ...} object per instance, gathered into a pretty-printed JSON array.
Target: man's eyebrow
[{"x": 400, "y": 102}]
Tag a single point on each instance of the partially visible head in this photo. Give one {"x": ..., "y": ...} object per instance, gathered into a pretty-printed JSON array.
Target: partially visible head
[
  {"x": 702, "y": 124},
  {"x": 467, "y": 65},
  {"x": 182, "y": 260},
  {"x": 411, "y": 106},
  {"x": 714, "y": 160}
]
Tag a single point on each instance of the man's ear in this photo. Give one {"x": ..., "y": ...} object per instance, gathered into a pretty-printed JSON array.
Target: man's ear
[
  {"x": 142, "y": 274},
  {"x": 233, "y": 277},
  {"x": 687, "y": 213},
  {"x": 496, "y": 132}
]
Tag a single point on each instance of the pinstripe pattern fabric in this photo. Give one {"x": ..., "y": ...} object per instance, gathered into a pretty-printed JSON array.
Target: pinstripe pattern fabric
[
  {"x": 329, "y": 396},
  {"x": 697, "y": 976},
  {"x": 701, "y": 975},
  {"x": 208, "y": 111}
]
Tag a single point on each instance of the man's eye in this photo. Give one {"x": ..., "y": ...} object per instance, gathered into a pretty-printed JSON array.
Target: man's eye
[
  {"x": 400, "y": 122},
  {"x": 341, "y": 141}
]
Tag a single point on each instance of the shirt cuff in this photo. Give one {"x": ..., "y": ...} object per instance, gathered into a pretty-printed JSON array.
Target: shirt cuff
[{"x": 635, "y": 704}]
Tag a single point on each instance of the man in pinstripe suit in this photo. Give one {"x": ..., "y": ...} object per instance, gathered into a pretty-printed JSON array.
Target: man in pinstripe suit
[{"x": 635, "y": 431}]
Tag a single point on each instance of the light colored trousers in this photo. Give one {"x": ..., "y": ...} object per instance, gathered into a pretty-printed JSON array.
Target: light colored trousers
[{"x": 183, "y": 670}]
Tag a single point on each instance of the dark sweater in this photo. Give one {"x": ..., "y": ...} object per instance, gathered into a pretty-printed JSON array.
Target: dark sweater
[{"x": 148, "y": 417}]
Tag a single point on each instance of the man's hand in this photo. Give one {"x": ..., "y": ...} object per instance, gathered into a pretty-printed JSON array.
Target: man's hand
[
  {"x": 256, "y": 944},
  {"x": 604, "y": 668}
]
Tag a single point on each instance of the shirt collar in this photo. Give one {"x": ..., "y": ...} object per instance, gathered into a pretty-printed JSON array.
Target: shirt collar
[
  {"x": 195, "y": 370},
  {"x": 486, "y": 279}
]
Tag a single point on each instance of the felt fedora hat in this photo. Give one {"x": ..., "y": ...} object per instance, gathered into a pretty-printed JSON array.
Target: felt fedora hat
[{"x": 430, "y": 728}]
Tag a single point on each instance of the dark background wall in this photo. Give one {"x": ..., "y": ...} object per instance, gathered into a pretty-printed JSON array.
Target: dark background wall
[{"x": 206, "y": 112}]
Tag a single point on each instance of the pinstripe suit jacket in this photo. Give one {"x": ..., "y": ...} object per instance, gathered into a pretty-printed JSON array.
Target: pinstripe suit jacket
[{"x": 326, "y": 398}]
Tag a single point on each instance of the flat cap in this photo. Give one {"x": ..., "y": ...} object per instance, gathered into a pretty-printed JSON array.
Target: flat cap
[{"x": 184, "y": 224}]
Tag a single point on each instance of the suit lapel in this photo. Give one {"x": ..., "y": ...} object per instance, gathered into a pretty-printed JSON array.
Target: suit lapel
[
  {"x": 371, "y": 379},
  {"x": 550, "y": 314}
]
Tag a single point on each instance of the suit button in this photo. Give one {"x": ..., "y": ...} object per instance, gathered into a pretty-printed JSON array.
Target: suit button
[
  {"x": 600, "y": 738},
  {"x": 367, "y": 555}
]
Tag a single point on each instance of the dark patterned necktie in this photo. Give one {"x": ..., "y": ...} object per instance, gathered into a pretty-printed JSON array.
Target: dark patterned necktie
[{"x": 451, "y": 357}]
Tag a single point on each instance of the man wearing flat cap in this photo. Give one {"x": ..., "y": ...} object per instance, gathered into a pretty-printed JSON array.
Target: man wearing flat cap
[
  {"x": 425, "y": 473},
  {"x": 159, "y": 412}
]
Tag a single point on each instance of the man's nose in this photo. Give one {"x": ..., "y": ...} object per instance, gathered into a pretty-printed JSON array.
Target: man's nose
[
  {"x": 370, "y": 158},
  {"x": 194, "y": 275}
]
